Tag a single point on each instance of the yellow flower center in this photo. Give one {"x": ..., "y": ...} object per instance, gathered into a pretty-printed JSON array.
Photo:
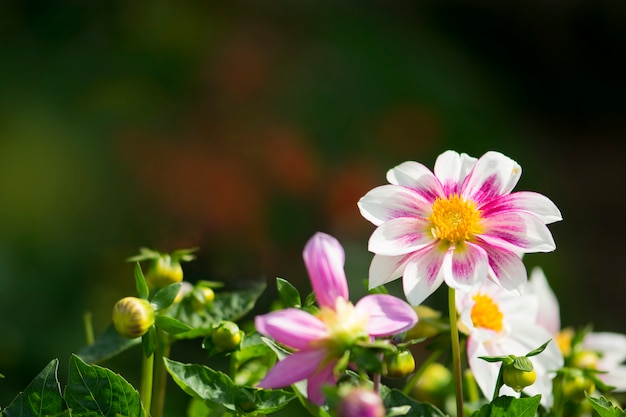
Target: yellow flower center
[
  {"x": 345, "y": 324},
  {"x": 455, "y": 219},
  {"x": 486, "y": 313}
]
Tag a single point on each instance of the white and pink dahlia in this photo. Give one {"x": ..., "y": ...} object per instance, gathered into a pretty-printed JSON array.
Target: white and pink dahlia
[
  {"x": 459, "y": 224},
  {"x": 318, "y": 341}
]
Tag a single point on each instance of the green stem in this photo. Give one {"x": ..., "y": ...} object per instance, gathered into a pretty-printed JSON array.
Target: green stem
[
  {"x": 147, "y": 369},
  {"x": 89, "y": 337},
  {"x": 456, "y": 353},
  {"x": 417, "y": 374},
  {"x": 162, "y": 350}
]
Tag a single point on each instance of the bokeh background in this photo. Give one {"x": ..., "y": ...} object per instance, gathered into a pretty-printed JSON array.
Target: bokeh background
[{"x": 243, "y": 127}]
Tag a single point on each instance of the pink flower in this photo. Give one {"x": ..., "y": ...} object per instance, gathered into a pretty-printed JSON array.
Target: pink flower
[
  {"x": 459, "y": 224},
  {"x": 320, "y": 340}
]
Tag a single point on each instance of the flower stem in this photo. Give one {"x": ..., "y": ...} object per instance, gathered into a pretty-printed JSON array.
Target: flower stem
[
  {"x": 456, "y": 352},
  {"x": 163, "y": 348},
  {"x": 147, "y": 368},
  {"x": 89, "y": 337}
]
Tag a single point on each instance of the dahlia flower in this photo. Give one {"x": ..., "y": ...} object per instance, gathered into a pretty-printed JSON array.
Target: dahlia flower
[
  {"x": 318, "y": 341},
  {"x": 459, "y": 224},
  {"x": 500, "y": 323}
]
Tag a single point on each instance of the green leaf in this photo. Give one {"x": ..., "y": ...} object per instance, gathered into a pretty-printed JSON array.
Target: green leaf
[
  {"x": 604, "y": 407},
  {"x": 507, "y": 406},
  {"x": 539, "y": 349},
  {"x": 184, "y": 255},
  {"x": 227, "y": 306},
  {"x": 96, "y": 391},
  {"x": 251, "y": 347},
  {"x": 140, "y": 283},
  {"x": 170, "y": 324},
  {"x": 396, "y": 398},
  {"x": 144, "y": 254},
  {"x": 288, "y": 294},
  {"x": 522, "y": 363},
  {"x": 165, "y": 296},
  {"x": 106, "y": 346},
  {"x": 42, "y": 397}
]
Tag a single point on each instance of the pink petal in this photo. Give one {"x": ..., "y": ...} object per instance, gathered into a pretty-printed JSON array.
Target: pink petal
[
  {"x": 416, "y": 177},
  {"x": 451, "y": 169},
  {"x": 384, "y": 269},
  {"x": 549, "y": 316},
  {"x": 387, "y": 314},
  {"x": 400, "y": 236},
  {"x": 517, "y": 231},
  {"x": 423, "y": 274},
  {"x": 324, "y": 376},
  {"x": 494, "y": 175},
  {"x": 291, "y": 327},
  {"x": 390, "y": 201},
  {"x": 293, "y": 368},
  {"x": 324, "y": 259},
  {"x": 535, "y": 203},
  {"x": 506, "y": 268},
  {"x": 465, "y": 266}
]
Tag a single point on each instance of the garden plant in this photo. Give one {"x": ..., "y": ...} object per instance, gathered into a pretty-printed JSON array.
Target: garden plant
[{"x": 498, "y": 350}]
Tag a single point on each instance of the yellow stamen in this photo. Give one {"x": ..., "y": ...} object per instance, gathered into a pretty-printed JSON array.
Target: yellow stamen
[
  {"x": 455, "y": 219},
  {"x": 344, "y": 324},
  {"x": 486, "y": 314}
]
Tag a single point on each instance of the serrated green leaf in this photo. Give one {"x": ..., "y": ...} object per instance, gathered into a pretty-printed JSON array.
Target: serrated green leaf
[
  {"x": 507, "y": 406},
  {"x": 227, "y": 306},
  {"x": 148, "y": 342},
  {"x": 140, "y": 283},
  {"x": 42, "y": 397},
  {"x": 288, "y": 294},
  {"x": 106, "y": 346},
  {"x": 396, "y": 398},
  {"x": 170, "y": 324},
  {"x": 94, "y": 390},
  {"x": 165, "y": 296},
  {"x": 604, "y": 407}
]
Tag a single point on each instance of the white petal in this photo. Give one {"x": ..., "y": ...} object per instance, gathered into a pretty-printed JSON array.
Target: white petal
[
  {"x": 400, "y": 236},
  {"x": 451, "y": 169},
  {"x": 384, "y": 269},
  {"x": 535, "y": 203},
  {"x": 391, "y": 201},
  {"x": 612, "y": 346},
  {"x": 549, "y": 316},
  {"x": 423, "y": 274},
  {"x": 417, "y": 177},
  {"x": 493, "y": 175}
]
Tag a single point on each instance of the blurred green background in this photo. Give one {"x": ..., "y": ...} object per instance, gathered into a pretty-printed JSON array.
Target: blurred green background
[{"x": 243, "y": 127}]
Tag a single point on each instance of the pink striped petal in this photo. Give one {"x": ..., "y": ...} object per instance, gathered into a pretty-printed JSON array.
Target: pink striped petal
[
  {"x": 296, "y": 367},
  {"x": 423, "y": 274},
  {"x": 494, "y": 175},
  {"x": 390, "y": 201},
  {"x": 400, "y": 236},
  {"x": 416, "y": 177},
  {"x": 324, "y": 376},
  {"x": 465, "y": 266},
  {"x": 384, "y": 269},
  {"x": 451, "y": 169},
  {"x": 535, "y": 203},
  {"x": 506, "y": 268},
  {"x": 387, "y": 314},
  {"x": 291, "y": 327},
  {"x": 324, "y": 259},
  {"x": 517, "y": 231}
]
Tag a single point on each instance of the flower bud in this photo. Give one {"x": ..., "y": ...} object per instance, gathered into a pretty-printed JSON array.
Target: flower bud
[
  {"x": 226, "y": 336},
  {"x": 434, "y": 383},
  {"x": 201, "y": 298},
  {"x": 163, "y": 271},
  {"x": 132, "y": 317},
  {"x": 398, "y": 365},
  {"x": 585, "y": 359},
  {"x": 517, "y": 378},
  {"x": 574, "y": 384},
  {"x": 361, "y": 402}
]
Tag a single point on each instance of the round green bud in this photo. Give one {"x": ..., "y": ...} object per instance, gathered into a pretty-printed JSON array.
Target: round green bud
[
  {"x": 398, "y": 365},
  {"x": 517, "y": 378},
  {"x": 575, "y": 384},
  {"x": 226, "y": 336},
  {"x": 201, "y": 298},
  {"x": 585, "y": 359},
  {"x": 164, "y": 271},
  {"x": 132, "y": 317},
  {"x": 433, "y": 384}
]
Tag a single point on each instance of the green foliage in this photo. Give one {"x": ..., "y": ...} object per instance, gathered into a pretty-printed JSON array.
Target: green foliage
[
  {"x": 604, "y": 407},
  {"x": 288, "y": 294},
  {"x": 396, "y": 399},
  {"x": 215, "y": 389},
  {"x": 41, "y": 398},
  {"x": 91, "y": 391},
  {"x": 106, "y": 346},
  {"x": 140, "y": 283},
  {"x": 507, "y": 406},
  {"x": 165, "y": 296}
]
